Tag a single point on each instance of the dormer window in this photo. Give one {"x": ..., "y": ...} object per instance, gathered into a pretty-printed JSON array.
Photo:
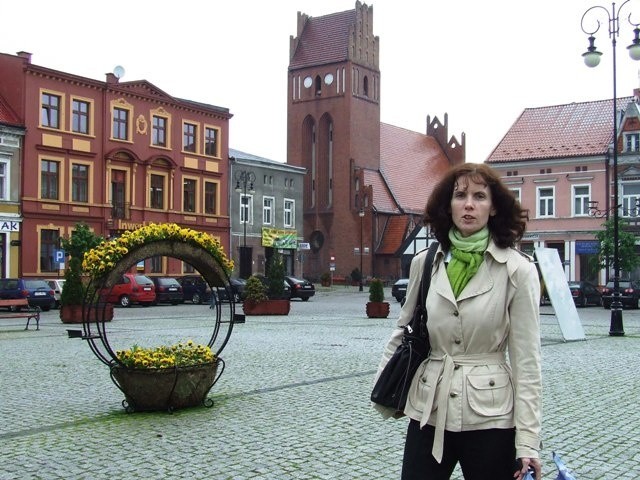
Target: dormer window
[{"x": 632, "y": 142}]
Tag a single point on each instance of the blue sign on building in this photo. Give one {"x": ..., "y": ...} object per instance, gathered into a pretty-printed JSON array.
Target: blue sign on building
[{"x": 587, "y": 247}]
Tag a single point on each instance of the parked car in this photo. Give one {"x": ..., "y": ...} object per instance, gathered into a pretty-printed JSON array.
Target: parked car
[
  {"x": 37, "y": 292},
  {"x": 585, "y": 293},
  {"x": 399, "y": 289},
  {"x": 195, "y": 289},
  {"x": 300, "y": 288},
  {"x": 133, "y": 288},
  {"x": 629, "y": 294},
  {"x": 168, "y": 290},
  {"x": 237, "y": 287},
  {"x": 56, "y": 284}
]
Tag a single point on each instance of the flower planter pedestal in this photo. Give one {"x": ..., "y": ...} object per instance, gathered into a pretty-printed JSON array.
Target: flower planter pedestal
[{"x": 74, "y": 313}]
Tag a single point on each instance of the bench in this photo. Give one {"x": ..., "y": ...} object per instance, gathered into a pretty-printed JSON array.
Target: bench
[{"x": 16, "y": 306}]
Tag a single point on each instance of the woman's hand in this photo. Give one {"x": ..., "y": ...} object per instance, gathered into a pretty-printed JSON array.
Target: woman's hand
[{"x": 526, "y": 464}]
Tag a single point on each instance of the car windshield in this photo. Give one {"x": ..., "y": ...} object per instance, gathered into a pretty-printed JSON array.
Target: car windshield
[
  {"x": 621, "y": 284},
  {"x": 167, "y": 281},
  {"x": 142, "y": 279},
  {"x": 34, "y": 284}
]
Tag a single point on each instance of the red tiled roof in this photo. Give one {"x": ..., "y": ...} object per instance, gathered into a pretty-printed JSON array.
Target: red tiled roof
[
  {"x": 7, "y": 115},
  {"x": 394, "y": 234},
  {"x": 324, "y": 40},
  {"x": 410, "y": 163},
  {"x": 571, "y": 130},
  {"x": 383, "y": 200}
]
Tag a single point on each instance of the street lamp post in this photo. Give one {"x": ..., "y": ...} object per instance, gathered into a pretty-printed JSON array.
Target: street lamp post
[
  {"x": 592, "y": 59},
  {"x": 244, "y": 183},
  {"x": 361, "y": 215}
]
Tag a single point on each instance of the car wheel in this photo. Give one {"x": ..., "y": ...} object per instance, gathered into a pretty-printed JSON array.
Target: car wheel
[
  {"x": 196, "y": 299},
  {"x": 125, "y": 301},
  {"x": 583, "y": 302},
  {"x": 305, "y": 299},
  {"x": 46, "y": 308}
]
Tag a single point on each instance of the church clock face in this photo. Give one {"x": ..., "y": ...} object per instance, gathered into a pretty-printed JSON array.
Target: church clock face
[
  {"x": 328, "y": 78},
  {"x": 308, "y": 81}
]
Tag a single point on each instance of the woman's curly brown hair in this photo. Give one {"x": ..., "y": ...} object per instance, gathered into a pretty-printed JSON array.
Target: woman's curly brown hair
[{"x": 507, "y": 225}]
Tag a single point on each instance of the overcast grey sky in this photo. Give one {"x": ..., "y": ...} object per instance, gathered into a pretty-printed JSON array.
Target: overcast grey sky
[{"x": 480, "y": 62}]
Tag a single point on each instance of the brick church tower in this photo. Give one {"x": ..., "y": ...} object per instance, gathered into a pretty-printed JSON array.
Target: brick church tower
[{"x": 333, "y": 130}]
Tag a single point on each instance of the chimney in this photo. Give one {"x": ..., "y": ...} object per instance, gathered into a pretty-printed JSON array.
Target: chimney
[
  {"x": 111, "y": 78},
  {"x": 25, "y": 55}
]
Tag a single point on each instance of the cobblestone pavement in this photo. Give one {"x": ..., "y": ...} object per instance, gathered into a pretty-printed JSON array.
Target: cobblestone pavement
[{"x": 292, "y": 402}]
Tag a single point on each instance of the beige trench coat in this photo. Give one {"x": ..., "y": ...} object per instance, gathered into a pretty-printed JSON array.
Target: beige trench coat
[{"x": 468, "y": 383}]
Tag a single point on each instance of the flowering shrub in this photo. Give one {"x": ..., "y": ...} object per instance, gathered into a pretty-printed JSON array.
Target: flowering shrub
[
  {"x": 104, "y": 257},
  {"x": 180, "y": 355}
]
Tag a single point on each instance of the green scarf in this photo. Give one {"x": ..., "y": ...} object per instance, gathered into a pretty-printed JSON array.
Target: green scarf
[{"x": 467, "y": 254}]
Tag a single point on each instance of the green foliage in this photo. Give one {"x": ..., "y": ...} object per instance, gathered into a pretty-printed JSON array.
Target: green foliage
[
  {"x": 376, "y": 290},
  {"x": 325, "y": 278},
  {"x": 628, "y": 258},
  {"x": 275, "y": 274},
  {"x": 254, "y": 290},
  {"x": 82, "y": 240}
]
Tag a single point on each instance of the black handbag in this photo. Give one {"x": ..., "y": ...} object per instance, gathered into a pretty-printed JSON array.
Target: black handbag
[{"x": 393, "y": 384}]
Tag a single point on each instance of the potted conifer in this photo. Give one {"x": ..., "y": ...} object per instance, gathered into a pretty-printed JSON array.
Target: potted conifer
[{"x": 376, "y": 306}]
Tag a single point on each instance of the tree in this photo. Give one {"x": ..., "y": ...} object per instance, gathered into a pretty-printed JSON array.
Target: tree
[
  {"x": 82, "y": 240},
  {"x": 275, "y": 274},
  {"x": 627, "y": 256}
]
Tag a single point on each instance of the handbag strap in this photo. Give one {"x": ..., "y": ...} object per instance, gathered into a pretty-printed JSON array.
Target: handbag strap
[{"x": 425, "y": 282}]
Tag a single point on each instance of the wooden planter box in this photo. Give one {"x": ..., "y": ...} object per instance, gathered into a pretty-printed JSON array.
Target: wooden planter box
[
  {"x": 378, "y": 309},
  {"x": 74, "y": 313},
  {"x": 268, "y": 307}
]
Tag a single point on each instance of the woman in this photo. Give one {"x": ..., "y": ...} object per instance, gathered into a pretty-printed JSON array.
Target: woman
[{"x": 468, "y": 403}]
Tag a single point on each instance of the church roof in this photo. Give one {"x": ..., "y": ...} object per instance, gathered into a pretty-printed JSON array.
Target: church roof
[
  {"x": 571, "y": 130},
  {"x": 323, "y": 40},
  {"x": 410, "y": 164},
  {"x": 7, "y": 115}
]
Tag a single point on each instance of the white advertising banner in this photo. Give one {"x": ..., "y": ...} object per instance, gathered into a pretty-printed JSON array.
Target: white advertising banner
[{"x": 559, "y": 293}]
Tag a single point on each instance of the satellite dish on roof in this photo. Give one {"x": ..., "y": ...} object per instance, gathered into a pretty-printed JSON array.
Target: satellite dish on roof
[{"x": 118, "y": 71}]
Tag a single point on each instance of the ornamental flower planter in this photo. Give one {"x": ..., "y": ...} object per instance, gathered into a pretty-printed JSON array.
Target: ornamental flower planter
[
  {"x": 156, "y": 389},
  {"x": 164, "y": 377},
  {"x": 266, "y": 307}
]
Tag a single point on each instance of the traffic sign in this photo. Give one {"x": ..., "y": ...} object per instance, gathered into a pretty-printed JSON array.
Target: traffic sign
[{"x": 58, "y": 256}]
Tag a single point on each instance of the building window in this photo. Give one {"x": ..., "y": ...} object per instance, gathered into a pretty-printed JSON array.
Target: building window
[
  {"x": 267, "y": 210},
  {"x": 189, "y": 131},
  {"x": 80, "y": 183},
  {"x": 48, "y": 245},
  {"x": 189, "y": 196},
  {"x": 546, "y": 202},
  {"x": 632, "y": 142},
  {"x": 157, "y": 192},
  {"x": 156, "y": 264},
  {"x": 211, "y": 198},
  {"x": 4, "y": 180},
  {"x": 289, "y": 213},
  {"x": 50, "y": 110},
  {"x": 631, "y": 200},
  {"x": 49, "y": 178},
  {"x": 119, "y": 205},
  {"x": 120, "y": 124},
  {"x": 80, "y": 117},
  {"x": 159, "y": 131},
  {"x": 245, "y": 208},
  {"x": 516, "y": 194},
  {"x": 581, "y": 198},
  {"x": 211, "y": 141}
]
